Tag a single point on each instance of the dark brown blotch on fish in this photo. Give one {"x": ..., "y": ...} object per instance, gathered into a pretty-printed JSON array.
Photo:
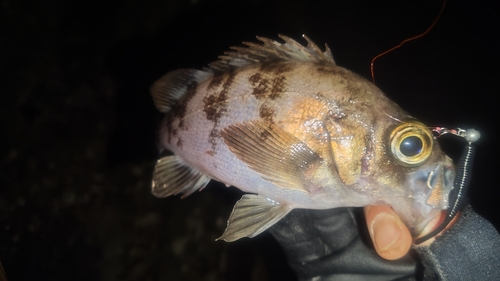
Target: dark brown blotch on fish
[
  {"x": 264, "y": 135},
  {"x": 215, "y": 106},
  {"x": 275, "y": 68},
  {"x": 278, "y": 85},
  {"x": 266, "y": 88},
  {"x": 266, "y": 113},
  {"x": 170, "y": 128},
  {"x": 278, "y": 71},
  {"x": 260, "y": 85},
  {"x": 211, "y": 108},
  {"x": 179, "y": 142},
  {"x": 179, "y": 111},
  {"x": 213, "y": 136},
  {"x": 216, "y": 81}
]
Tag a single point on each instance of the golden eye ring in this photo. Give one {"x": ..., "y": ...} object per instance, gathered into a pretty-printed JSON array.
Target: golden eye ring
[{"x": 411, "y": 143}]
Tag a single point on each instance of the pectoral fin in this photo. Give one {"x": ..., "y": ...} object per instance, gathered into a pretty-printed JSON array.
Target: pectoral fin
[
  {"x": 252, "y": 215},
  {"x": 172, "y": 176},
  {"x": 279, "y": 156}
]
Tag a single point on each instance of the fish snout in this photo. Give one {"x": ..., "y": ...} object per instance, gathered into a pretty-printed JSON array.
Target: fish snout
[{"x": 430, "y": 192}]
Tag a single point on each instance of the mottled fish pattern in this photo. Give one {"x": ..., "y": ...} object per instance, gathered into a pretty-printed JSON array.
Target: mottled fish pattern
[{"x": 284, "y": 123}]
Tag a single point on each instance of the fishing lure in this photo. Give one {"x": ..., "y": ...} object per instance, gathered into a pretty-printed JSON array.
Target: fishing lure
[{"x": 462, "y": 179}]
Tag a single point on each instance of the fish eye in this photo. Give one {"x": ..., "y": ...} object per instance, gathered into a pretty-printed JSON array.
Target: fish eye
[
  {"x": 411, "y": 146},
  {"x": 411, "y": 143}
]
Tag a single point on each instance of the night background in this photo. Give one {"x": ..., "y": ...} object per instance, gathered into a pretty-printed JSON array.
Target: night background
[{"x": 78, "y": 124}]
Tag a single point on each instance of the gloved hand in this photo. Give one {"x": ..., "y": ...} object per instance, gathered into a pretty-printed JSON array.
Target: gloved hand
[{"x": 326, "y": 245}]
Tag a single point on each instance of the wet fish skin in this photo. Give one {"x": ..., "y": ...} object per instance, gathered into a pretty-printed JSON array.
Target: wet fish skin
[{"x": 284, "y": 122}]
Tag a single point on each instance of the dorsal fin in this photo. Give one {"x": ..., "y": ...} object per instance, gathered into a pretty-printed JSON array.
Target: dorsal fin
[
  {"x": 174, "y": 85},
  {"x": 270, "y": 51}
]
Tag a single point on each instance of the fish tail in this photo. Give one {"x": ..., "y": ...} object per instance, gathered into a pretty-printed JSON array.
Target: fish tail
[{"x": 170, "y": 88}]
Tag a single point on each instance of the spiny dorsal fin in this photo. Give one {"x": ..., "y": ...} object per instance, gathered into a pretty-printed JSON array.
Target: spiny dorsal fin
[
  {"x": 270, "y": 51},
  {"x": 174, "y": 85}
]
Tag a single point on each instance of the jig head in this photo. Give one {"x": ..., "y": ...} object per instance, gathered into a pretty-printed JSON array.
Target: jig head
[
  {"x": 469, "y": 135},
  {"x": 462, "y": 179}
]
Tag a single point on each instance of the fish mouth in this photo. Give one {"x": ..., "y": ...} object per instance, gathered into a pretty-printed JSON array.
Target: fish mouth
[
  {"x": 432, "y": 224},
  {"x": 430, "y": 193}
]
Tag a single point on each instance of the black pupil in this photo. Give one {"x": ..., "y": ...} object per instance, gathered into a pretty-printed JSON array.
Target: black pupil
[{"x": 411, "y": 146}]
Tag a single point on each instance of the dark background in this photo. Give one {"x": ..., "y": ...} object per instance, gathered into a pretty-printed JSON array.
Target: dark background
[{"x": 78, "y": 124}]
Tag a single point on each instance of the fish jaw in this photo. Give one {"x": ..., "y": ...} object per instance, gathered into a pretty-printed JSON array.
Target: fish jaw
[{"x": 429, "y": 187}]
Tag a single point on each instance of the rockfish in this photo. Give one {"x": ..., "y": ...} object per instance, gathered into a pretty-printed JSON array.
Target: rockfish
[{"x": 284, "y": 123}]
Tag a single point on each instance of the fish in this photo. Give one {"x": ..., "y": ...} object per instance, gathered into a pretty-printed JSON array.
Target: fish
[{"x": 285, "y": 124}]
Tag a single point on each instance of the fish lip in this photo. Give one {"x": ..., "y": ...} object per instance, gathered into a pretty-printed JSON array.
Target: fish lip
[
  {"x": 430, "y": 223},
  {"x": 430, "y": 190}
]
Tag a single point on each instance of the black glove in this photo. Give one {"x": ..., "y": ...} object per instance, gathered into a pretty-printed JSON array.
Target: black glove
[{"x": 326, "y": 245}]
